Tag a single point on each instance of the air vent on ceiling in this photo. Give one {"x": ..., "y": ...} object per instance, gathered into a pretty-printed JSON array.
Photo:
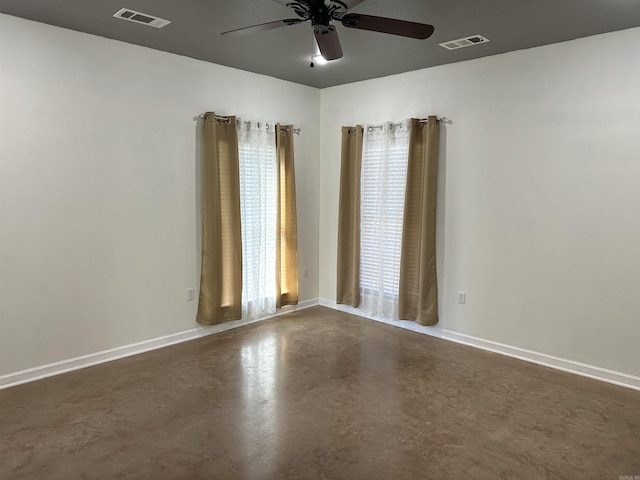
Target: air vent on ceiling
[
  {"x": 464, "y": 42},
  {"x": 143, "y": 18}
]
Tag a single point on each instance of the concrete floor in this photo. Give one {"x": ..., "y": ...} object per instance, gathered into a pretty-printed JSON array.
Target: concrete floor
[{"x": 319, "y": 394}]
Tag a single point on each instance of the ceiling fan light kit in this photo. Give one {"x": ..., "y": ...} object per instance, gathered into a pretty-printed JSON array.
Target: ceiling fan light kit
[
  {"x": 317, "y": 60},
  {"x": 322, "y": 12}
]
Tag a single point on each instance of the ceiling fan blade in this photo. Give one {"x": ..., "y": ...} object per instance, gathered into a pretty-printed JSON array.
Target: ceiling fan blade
[
  {"x": 262, "y": 27},
  {"x": 328, "y": 42},
  {"x": 340, "y": 7},
  {"x": 387, "y": 25}
]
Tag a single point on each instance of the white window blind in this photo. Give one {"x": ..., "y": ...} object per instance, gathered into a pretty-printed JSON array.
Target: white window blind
[
  {"x": 258, "y": 195},
  {"x": 384, "y": 171}
]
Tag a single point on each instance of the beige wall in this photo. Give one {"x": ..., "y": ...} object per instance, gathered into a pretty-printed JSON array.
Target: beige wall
[{"x": 539, "y": 193}]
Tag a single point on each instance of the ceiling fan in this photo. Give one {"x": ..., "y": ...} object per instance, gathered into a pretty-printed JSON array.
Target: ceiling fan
[{"x": 322, "y": 12}]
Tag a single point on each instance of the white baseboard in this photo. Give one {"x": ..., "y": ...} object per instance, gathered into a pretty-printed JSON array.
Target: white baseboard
[
  {"x": 51, "y": 369},
  {"x": 199, "y": 331},
  {"x": 585, "y": 370}
]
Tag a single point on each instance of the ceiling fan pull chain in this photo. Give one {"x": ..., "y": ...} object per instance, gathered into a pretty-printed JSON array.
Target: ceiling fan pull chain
[{"x": 313, "y": 49}]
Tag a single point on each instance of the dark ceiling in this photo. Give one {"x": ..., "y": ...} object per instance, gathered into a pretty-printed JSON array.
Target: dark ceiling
[{"x": 284, "y": 53}]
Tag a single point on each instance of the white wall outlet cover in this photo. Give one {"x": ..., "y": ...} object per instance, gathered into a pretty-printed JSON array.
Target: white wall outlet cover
[
  {"x": 191, "y": 294},
  {"x": 462, "y": 298}
]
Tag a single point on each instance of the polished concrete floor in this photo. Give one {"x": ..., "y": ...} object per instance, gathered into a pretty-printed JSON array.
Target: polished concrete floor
[{"x": 319, "y": 394}]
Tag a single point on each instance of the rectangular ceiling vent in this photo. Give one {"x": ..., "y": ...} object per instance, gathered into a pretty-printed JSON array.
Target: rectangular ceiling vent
[
  {"x": 464, "y": 42},
  {"x": 143, "y": 18}
]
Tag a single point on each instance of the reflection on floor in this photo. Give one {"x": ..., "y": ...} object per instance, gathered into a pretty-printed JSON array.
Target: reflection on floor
[{"x": 319, "y": 394}]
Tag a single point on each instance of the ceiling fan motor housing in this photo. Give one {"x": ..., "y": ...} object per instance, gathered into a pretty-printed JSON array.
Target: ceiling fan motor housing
[
  {"x": 320, "y": 17},
  {"x": 320, "y": 29},
  {"x": 320, "y": 12}
]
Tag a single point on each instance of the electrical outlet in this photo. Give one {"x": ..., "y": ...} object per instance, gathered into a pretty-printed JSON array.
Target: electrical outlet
[
  {"x": 191, "y": 294},
  {"x": 462, "y": 298},
  {"x": 306, "y": 273}
]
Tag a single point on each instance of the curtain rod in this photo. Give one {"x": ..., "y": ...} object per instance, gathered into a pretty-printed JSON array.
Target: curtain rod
[
  {"x": 370, "y": 128},
  {"x": 295, "y": 130},
  {"x": 228, "y": 120},
  {"x": 438, "y": 119},
  {"x": 422, "y": 120}
]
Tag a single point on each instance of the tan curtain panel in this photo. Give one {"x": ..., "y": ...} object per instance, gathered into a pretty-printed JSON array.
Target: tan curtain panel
[
  {"x": 418, "y": 296},
  {"x": 221, "y": 280},
  {"x": 348, "y": 277},
  {"x": 287, "y": 227}
]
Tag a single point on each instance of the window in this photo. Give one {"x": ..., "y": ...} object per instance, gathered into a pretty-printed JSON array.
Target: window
[
  {"x": 258, "y": 210},
  {"x": 384, "y": 170}
]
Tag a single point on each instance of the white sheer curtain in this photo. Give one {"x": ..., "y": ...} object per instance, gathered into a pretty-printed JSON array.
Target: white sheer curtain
[
  {"x": 384, "y": 171},
  {"x": 258, "y": 196}
]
